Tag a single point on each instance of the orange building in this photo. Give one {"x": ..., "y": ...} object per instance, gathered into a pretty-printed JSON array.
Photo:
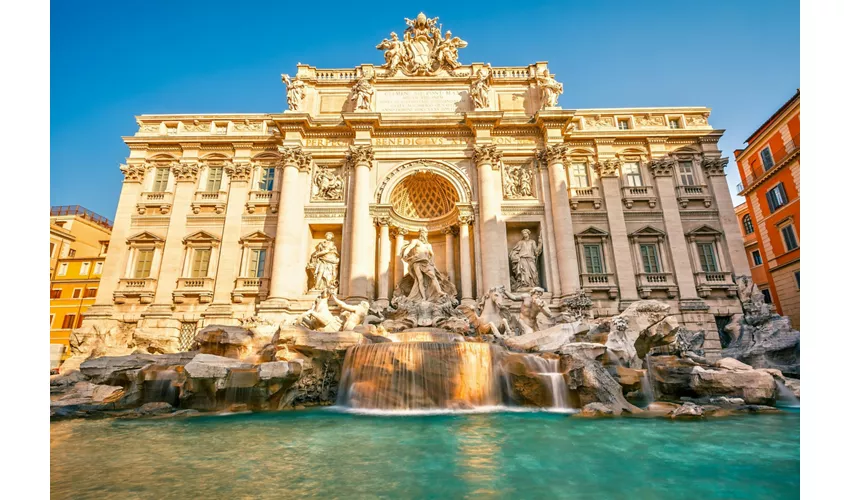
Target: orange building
[{"x": 770, "y": 173}]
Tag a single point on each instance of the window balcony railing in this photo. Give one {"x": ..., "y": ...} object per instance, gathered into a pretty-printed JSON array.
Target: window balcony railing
[
  {"x": 588, "y": 194},
  {"x": 250, "y": 287},
  {"x": 600, "y": 281},
  {"x": 631, "y": 194},
  {"x": 202, "y": 288},
  {"x": 687, "y": 194},
  {"x": 258, "y": 198},
  {"x": 217, "y": 200},
  {"x": 647, "y": 282},
  {"x": 155, "y": 201},
  {"x": 140, "y": 288},
  {"x": 720, "y": 280}
]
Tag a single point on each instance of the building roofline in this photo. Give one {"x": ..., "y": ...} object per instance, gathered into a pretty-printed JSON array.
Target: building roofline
[{"x": 773, "y": 117}]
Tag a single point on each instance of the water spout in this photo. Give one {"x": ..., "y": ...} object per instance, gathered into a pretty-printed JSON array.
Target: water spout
[{"x": 785, "y": 397}]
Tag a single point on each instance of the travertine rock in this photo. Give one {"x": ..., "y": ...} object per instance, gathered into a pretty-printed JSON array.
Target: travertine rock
[
  {"x": 753, "y": 386},
  {"x": 688, "y": 409},
  {"x": 732, "y": 364},
  {"x": 228, "y": 341},
  {"x": 548, "y": 340},
  {"x": 593, "y": 384}
]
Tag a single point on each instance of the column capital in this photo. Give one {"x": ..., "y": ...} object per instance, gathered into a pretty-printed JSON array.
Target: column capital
[
  {"x": 556, "y": 153},
  {"x": 382, "y": 221},
  {"x": 239, "y": 172},
  {"x": 608, "y": 168},
  {"x": 396, "y": 230},
  {"x": 296, "y": 157},
  {"x": 134, "y": 172},
  {"x": 466, "y": 220},
  {"x": 486, "y": 153},
  {"x": 715, "y": 166},
  {"x": 186, "y": 172},
  {"x": 448, "y": 230},
  {"x": 360, "y": 155},
  {"x": 662, "y": 167}
]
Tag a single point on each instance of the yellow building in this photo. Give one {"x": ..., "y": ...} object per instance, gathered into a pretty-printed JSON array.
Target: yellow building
[{"x": 78, "y": 242}]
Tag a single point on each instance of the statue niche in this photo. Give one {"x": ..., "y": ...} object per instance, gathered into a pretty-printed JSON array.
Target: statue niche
[{"x": 524, "y": 257}]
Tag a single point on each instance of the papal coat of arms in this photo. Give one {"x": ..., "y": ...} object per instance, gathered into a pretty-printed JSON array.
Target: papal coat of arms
[{"x": 424, "y": 50}]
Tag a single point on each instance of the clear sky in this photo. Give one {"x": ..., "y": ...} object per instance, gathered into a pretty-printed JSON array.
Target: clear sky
[{"x": 113, "y": 60}]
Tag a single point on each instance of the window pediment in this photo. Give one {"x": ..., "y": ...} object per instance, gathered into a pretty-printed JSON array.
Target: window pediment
[
  {"x": 145, "y": 237},
  {"x": 648, "y": 231},
  {"x": 256, "y": 237},
  {"x": 201, "y": 237},
  {"x": 592, "y": 232},
  {"x": 704, "y": 231}
]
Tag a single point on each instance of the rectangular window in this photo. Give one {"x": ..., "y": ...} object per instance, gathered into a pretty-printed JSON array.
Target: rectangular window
[
  {"x": 214, "y": 179},
  {"x": 748, "y": 224},
  {"x": 200, "y": 263},
  {"x": 797, "y": 277},
  {"x": 578, "y": 174},
  {"x": 674, "y": 123},
  {"x": 789, "y": 237},
  {"x": 707, "y": 261},
  {"x": 756, "y": 258},
  {"x": 143, "y": 263},
  {"x": 56, "y": 293},
  {"x": 257, "y": 263},
  {"x": 767, "y": 158},
  {"x": 776, "y": 197},
  {"x": 593, "y": 259},
  {"x": 767, "y": 298},
  {"x": 267, "y": 179},
  {"x": 72, "y": 252},
  {"x": 160, "y": 179},
  {"x": 98, "y": 267},
  {"x": 649, "y": 256},
  {"x": 623, "y": 124},
  {"x": 68, "y": 321},
  {"x": 77, "y": 292},
  {"x": 84, "y": 268},
  {"x": 631, "y": 173},
  {"x": 686, "y": 173},
  {"x": 90, "y": 292},
  {"x": 63, "y": 269}
]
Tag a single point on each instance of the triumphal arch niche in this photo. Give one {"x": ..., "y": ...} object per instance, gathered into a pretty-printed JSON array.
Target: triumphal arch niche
[{"x": 420, "y": 177}]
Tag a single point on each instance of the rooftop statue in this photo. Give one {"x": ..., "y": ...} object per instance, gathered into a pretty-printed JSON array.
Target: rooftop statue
[
  {"x": 423, "y": 51},
  {"x": 361, "y": 94},
  {"x": 549, "y": 89},
  {"x": 294, "y": 92},
  {"x": 479, "y": 89}
]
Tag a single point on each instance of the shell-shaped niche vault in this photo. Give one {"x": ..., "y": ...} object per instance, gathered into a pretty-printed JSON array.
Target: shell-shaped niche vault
[{"x": 423, "y": 196}]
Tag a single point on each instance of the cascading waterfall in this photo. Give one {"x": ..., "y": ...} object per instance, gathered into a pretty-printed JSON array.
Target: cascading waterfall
[
  {"x": 786, "y": 396},
  {"x": 548, "y": 371}
]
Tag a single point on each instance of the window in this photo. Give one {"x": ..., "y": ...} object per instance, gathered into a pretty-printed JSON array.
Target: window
[
  {"x": 674, "y": 123},
  {"x": 707, "y": 261},
  {"x": 797, "y": 277},
  {"x": 767, "y": 298},
  {"x": 84, "y": 268},
  {"x": 593, "y": 259},
  {"x": 56, "y": 293},
  {"x": 766, "y": 158},
  {"x": 649, "y": 256},
  {"x": 72, "y": 252},
  {"x": 160, "y": 179},
  {"x": 63, "y": 269},
  {"x": 267, "y": 179},
  {"x": 631, "y": 172},
  {"x": 776, "y": 197},
  {"x": 200, "y": 262},
  {"x": 686, "y": 173},
  {"x": 143, "y": 263},
  {"x": 98, "y": 267},
  {"x": 748, "y": 224},
  {"x": 623, "y": 124},
  {"x": 789, "y": 237},
  {"x": 68, "y": 321},
  {"x": 214, "y": 179},
  {"x": 90, "y": 292},
  {"x": 756, "y": 258},
  {"x": 77, "y": 292},
  {"x": 257, "y": 263},
  {"x": 578, "y": 174}
]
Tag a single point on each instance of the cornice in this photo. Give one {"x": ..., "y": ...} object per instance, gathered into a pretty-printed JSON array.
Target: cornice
[{"x": 770, "y": 173}]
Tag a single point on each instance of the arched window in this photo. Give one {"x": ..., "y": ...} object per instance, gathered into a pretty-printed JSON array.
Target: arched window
[{"x": 748, "y": 224}]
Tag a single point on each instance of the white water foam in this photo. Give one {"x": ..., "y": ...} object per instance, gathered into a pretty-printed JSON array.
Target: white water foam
[{"x": 447, "y": 411}]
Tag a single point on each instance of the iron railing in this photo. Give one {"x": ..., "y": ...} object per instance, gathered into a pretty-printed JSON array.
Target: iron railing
[{"x": 81, "y": 212}]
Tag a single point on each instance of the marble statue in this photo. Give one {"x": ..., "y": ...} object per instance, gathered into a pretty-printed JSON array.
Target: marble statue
[
  {"x": 479, "y": 90},
  {"x": 419, "y": 256},
  {"x": 549, "y": 88},
  {"x": 327, "y": 185},
  {"x": 495, "y": 318},
  {"x": 361, "y": 94},
  {"x": 393, "y": 52},
  {"x": 319, "y": 316},
  {"x": 523, "y": 259},
  {"x": 324, "y": 263},
  {"x": 532, "y": 305},
  {"x": 294, "y": 92},
  {"x": 423, "y": 50},
  {"x": 352, "y": 315}
]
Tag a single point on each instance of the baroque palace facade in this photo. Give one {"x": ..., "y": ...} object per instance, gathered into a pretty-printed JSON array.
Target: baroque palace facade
[{"x": 228, "y": 217}]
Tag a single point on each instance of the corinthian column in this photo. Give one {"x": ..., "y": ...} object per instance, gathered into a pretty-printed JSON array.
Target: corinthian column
[
  {"x": 466, "y": 298},
  {"x": 362, "y": 264},
  {"x": 400, "y": 268},
  {"x": 715, "y": 170},
  {"x": 486, "y": 159},
  {"x": 556, "y": 159},
  {"x": 609, "y": 173},
  {"x": 288, "y": 241},
  {"x": 450, "y": 253},
  {"x": 384, "y": 262}
]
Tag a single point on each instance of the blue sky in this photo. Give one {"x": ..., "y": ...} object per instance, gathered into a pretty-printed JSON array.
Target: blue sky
[{"x": 111, "y": 61}]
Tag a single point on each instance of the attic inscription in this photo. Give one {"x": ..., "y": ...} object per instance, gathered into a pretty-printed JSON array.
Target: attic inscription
[{"x": 423, "y": 101}]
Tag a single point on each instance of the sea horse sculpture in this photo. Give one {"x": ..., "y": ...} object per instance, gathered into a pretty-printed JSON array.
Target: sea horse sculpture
[{"x": 494, "y": 319}]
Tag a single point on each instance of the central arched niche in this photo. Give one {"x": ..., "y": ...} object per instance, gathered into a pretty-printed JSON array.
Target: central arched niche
[{"x": 424, "y": 195}]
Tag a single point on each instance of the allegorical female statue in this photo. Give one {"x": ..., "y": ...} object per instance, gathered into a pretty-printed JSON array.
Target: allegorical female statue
[
  {"x": 523, "y": 259},
  {"x": 361, "y": 94},
  {"x": 419, "y": 255},
  {"x": 324, "y": 263}
]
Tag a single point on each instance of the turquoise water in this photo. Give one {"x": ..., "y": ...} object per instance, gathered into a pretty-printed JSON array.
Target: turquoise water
[{"x": 330, "y": 454}]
